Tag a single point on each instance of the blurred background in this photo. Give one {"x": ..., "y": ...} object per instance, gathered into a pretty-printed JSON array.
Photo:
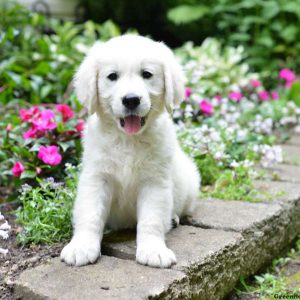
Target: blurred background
[{"x": 268, "y": 29}]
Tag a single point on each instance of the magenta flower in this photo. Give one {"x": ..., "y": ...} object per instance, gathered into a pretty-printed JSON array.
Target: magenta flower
[
  {"x": 264, "y": 95},
  {"x": 287, "y": 75},
  {"x": 255, "y": 83},
  {"x": 30, "y": 134},
  {"x": 218, "y": 97},
  {"x": 187, "y": 92},
  {"x": 66, "y": 111},
  {"x": 17, "y": 169},
  {"x": 28, "y": 114},
  {"x": 235, "y": 96},
  {"x": 49, "y": 155},
  {"x": 44, "y": 121},
  {"x": 80, "y": 126},
  {"x": 206, "y": 107},
  {"x": 275, "y": 95}
]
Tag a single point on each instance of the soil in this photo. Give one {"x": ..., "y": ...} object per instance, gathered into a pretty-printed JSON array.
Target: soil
[{"x": 19, "y": 257}]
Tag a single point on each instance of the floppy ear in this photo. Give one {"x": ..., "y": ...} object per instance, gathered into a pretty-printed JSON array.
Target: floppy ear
[
  {"x": 174, "y": 81},
  {"x": 86, "y": 80}
]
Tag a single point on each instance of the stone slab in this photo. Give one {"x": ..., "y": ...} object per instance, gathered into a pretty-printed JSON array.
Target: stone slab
[
  {"x": 230, "y": 215},
  {"x": 294, "y": 140},
  {"x": 109, "y": 278},
  {"x": 201, "y": 243},
  {"x": 284, "y": 172},
  {"x": 291, "y": 154}
]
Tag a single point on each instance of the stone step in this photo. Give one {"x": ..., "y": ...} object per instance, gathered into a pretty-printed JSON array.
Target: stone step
[
  {"x": 222, "y": 241},
  {"x": 291, "y": 154},
  {"x": 241, "y": 238}
]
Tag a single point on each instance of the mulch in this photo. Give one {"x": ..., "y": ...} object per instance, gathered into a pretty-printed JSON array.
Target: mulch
[{"x": 19, "y": 258}]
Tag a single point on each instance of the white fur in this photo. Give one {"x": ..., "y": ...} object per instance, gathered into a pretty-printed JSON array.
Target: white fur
[{"x": 143, "y": 179}]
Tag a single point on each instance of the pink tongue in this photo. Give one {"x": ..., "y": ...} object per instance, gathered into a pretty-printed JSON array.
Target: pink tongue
[{"x": 132, "y": 124}]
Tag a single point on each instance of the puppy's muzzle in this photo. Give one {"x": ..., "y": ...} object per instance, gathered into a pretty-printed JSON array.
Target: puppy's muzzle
[{"x": 131, "y": 101}]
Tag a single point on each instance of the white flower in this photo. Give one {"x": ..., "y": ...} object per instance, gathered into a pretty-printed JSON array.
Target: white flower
[
  {"x": 234, "y": 164},
  {"x": 270, "y": 155},
  {"x": 3, "y": 251},
  {"x": 4, "y": 234},
  {"x": 297, "y": 129},
  {"x": 5, "y": 226}
]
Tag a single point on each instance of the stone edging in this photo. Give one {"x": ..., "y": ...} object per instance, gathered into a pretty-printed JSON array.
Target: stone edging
[{"x": 221, "y": 242}]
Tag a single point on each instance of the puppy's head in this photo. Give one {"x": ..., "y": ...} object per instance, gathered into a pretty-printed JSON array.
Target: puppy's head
[{"x": 130, "y": 80}]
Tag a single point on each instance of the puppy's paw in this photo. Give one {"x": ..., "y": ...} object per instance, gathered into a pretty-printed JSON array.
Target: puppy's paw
[
  {"x": 82, "y": 250},
  {"x": 155, "y": 255}
]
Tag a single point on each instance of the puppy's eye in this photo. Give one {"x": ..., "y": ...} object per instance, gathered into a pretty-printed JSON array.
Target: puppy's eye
[
  {"x": 146, "y": 74},
  {"x": 113, "y": 76}
]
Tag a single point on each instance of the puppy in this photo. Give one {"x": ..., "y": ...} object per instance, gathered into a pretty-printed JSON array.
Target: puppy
[{"x": 134, "y": 172}]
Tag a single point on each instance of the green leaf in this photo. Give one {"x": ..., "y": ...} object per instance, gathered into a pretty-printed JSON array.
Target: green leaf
[
  {"x": 185, "y": 14},
  {"x": 294, "y": 93},
  {"x": 45, "y": 90},
  {"x": 64, "y": 146},
  {"x": 271, "y": 9},
  {"x": 28, "y": 174},
  {"x": 289, "y": 33}
]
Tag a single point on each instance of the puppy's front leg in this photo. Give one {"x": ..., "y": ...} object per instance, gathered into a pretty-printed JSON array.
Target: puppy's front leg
[
  {"x": 90, "y": 212},
  {"x": 154, "y": 220}
]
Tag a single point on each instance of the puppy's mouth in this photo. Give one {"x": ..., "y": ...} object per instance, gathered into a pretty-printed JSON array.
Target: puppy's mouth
[{"x": 132, "y": 124}]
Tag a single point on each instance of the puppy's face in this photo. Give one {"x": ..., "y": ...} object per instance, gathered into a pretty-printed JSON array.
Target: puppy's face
[
  {"x": 130, "y": 80},
  {"x": 131, "y": 91}
]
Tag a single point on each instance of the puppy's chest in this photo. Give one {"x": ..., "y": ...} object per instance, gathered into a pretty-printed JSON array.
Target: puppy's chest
[{"x": 127, "y": 163}]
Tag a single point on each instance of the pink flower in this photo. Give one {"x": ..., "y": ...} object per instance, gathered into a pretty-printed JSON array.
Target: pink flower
[
  {"x": 218, "y": 97},
  {"x": 255, "y": 83},
  {"x": 28, "y": 114},
  {"x": 187, "y": 92},
  {"x": 80, "y": 126},
  {"x": 287, "y": 75},
  {"x": 49, "y": 155},
  {"x": 206, "y": 107},
  {"x": 8, "y": 127},
  {"x": 65, "y": 110},
  {"x": 44, "y": 121},
  {"x": 264, "y": 95},
  {"x": 30, "y": 134},
  {"x": 17, "y": 169},
  {"x": 288, "y": 84},
  {"x": 275, "y": 95},
  {"x": 235, "y": 96}
]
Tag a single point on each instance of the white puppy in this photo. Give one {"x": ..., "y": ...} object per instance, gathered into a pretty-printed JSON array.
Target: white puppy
[{"x": 134, "y": 171}]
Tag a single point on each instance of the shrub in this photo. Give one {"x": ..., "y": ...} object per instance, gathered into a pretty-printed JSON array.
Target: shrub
[
  {"x": 38, "y": 142},
  {"x": 39, "y": 56},
  {"x": 268, "y": 30}
]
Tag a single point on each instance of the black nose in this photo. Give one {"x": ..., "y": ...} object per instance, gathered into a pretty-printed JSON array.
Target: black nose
[{"x": 131, "y": 101}]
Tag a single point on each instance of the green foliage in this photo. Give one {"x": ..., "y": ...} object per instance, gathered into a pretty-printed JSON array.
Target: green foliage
[
  {"x": 187, "y": 13},
  {"x": 38, "y": 56},
  {"x": 45, "y": 211},
  {"x": 269, "y": 30},
  {"x": 294, "y": 93},
  {"x": 212, "y": 69},
  {"x": 235, "y": 185}
]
